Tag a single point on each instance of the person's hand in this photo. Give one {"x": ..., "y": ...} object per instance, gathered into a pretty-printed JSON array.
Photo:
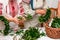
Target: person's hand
[
  {"x": 40, "y": 11},
  {"x": 15, "y": 19},
  {"x": 12, "y": 20}
]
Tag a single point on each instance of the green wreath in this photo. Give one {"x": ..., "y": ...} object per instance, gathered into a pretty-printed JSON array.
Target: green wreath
[
  {"x": 6, "y": 22},
  {"x": 45, "y": 17}
]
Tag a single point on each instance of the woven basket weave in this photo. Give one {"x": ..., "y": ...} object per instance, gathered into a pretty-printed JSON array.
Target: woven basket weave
[{"x": 52, "y": 32}]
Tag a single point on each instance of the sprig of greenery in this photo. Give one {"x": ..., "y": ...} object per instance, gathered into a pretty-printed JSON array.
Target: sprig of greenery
[
  {"x": 42, "y": 34},
  {"x": 56, "y": 23},
  {"x": 29, "y": 17},
  {"x": 20, "y": 18},
  {"x": 19, "y": 32},
  {"x": 0, "y": 31},
  {"x": 7, "y": 27},
  {"x": 45, "y": 17},
  {"x": 32, "y": 34}
]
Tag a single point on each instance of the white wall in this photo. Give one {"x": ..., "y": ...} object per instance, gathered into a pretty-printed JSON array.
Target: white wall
[{"x": 52, "y": 3}]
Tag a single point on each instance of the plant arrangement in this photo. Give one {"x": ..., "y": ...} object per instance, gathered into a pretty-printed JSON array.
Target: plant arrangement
[
  {"x": 45, "y": 17},
  {"x": 32, "y": 34},
  {"x": 7, "y": 27},
  {"x": 56, "y": 23},
  {"x": 53, "y": 31}
]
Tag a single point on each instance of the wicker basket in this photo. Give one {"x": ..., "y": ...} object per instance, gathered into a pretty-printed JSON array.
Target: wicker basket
[{"x": 52, "y": 32}]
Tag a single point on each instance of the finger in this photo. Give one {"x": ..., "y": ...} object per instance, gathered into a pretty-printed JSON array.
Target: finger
[{"x": 16, "y": 21}]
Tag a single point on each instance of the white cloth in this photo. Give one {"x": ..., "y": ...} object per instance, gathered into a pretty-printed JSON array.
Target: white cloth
[
  {"x": 27, "y": 9},
  {"x": 52, "y": 3}
]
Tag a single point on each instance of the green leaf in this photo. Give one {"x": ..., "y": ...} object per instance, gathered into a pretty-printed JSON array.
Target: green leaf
[
  {"x": 19, "y": 17},
  {"x": 19, "y": 32},
  {"x": 42, "y": 34},
  {"x": 29, "y": 17},
  {"x": 56, "y": 23}
]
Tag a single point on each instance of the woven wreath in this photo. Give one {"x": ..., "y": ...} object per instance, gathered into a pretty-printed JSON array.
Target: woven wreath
[{"x": 6, "y": 22}]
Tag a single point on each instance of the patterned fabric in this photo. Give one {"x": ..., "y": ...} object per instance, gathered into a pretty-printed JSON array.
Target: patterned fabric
[
  {"x": 21, "y": 9},
  {"x": 26, "y": 1},
  {"x": 1, "y": 8},
  {"x": 13, "y": 7},
  {"x": 27, "y": 9}
]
